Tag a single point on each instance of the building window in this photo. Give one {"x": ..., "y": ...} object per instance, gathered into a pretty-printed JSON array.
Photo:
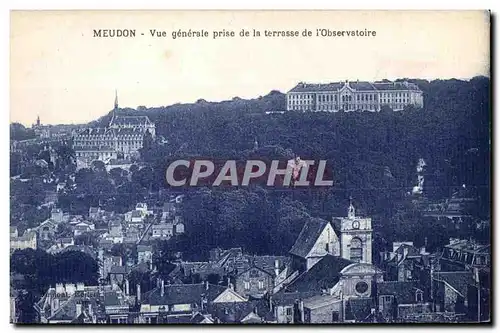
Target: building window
[
  {"x": 289, "y": 311},
  {"x": 261, "y": 285},
  {"x": 356, "y": 250},
  {"x": 327, "y": 247},
  {"x": 335, "y": 316},
  {"x": 361, "y": 287},
  {"x": 247, "y": 285},
  {"x": 419, "y": 296}
]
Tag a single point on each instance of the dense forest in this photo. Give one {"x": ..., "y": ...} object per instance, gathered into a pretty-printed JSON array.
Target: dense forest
[{"x": 373, "y": 157}]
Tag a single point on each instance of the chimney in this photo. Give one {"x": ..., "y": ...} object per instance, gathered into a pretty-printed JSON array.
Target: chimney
[
  {"x": 301, "y": 309},
  {"x": 271, "y": 302},
  {"x": 78, "y": 309},
  {"x": 206, "y": 285},
  {"x": 162, "y": 288},
  {"x": 127, "y": 287},
  {"x": 138, "y": 292},
  {"x": 405, "y": 251}
]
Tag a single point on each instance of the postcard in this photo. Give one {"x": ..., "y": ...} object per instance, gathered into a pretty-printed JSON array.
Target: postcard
[{"x": 250, "y": 167}]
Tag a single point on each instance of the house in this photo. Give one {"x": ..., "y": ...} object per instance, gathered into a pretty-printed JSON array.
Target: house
[
  {"x": 456, "y": 292},
  {"x": 94, "y": 212},
  {"x": 168, "y": 211},
  {"x": 241, "y": 312},
  {"x": 118, "y": 275},
  {"x": 321, "y": 309},
  {"x": 399, "y": 300},
  {"x": 254, "y": 281},
  {"x": 145, "y": 255},
  {"x": 162, "y": 231},
  {"x": 179, "y": 228},
  {"x": 61, "y": 244},
  {"x": 57, "y": 215},
  {"x": 168, "y": 303},
  {"x": 73, "y": 304},
  {"x": 406, "y": 263},
  {"x": 142, "y": 207},
  {"x": 47, "y": 229},
  {"x": 82, "y": 228},
  {"x": 137, "y": 217},
  {"x": 464, "y": 254},
  {"x": 109, "y": 261},
  {"x": 27, "y": 241},
  {"x": 115, "y": 229}
]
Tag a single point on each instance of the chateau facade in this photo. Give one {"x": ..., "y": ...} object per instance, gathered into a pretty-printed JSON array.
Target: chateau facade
[
  {"x": 353, "y": 96},
  {"x": 123, "y": 137}
]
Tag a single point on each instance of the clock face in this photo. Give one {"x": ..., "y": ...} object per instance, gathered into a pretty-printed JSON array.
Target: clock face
[{"x": 355, "y": 225}]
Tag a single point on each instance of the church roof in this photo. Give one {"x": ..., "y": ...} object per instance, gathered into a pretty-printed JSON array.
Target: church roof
[
  {"x": 308, "y": 236},
  {"x": 324, "y": 275}
]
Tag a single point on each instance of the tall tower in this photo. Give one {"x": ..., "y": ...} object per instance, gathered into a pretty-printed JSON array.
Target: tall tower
[
  {"x": 356, "y": 237},
  {"x": 116, "y": 100},
  {"x": 115, "y": 109},
  {"x": 38, "y": 120}
]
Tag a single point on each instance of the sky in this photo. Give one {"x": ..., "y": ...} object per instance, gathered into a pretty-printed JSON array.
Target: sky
[{"x": 60, "y": 72}]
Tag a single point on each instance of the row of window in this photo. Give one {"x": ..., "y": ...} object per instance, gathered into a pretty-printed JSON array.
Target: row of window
[
  {"x": 85, "y": 154},
  {"x": 247, "y": 285},
  {"x": 359, "y": 96}
]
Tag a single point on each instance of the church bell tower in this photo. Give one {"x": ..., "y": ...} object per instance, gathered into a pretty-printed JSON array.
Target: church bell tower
[{"x": 356, "y": 236}]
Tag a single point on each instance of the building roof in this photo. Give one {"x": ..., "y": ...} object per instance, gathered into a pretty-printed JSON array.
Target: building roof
[
  {"x": 130, "y": 120},
  {"x": 308, "y": 236},
  {"x": 235, "y": 312},
  {"x": 356, "y": 85},
  {"x": 324, "y": 275},
  {"x": 404, "y": 292},
  {"x": 144, "y": 248},
  {"x": 93, "y": 210},
  {"x": 82, "y": 248},
  {"x": 118, "y": 270},
  {"x": 163, "y": 226},
  {"x": 459, "y": 281},
  {"x": 466, "y": 245},
  {"x": 320, "y": 301},
  {"x": 183, "y": 294},
  {"x": 359, "y": 309},
  {"x": 136, "y": 213}
]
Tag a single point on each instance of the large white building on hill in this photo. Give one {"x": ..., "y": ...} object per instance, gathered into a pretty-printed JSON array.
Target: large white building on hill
[{"x": 353, "y": 96}]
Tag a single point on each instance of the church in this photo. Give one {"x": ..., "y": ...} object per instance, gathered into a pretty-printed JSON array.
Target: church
[
  {"x": 332, "y": 278},
  {"x": 121, "y": 139}
]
